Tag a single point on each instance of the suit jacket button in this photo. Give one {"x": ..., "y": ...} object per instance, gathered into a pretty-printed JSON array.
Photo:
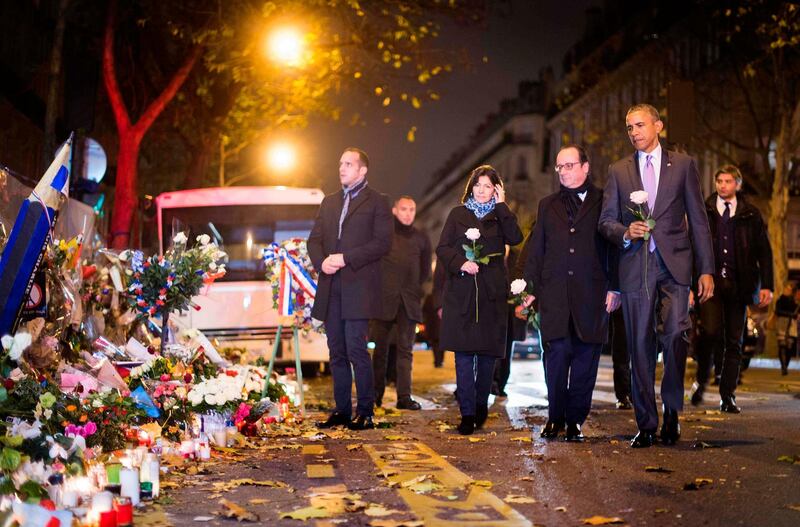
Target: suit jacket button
[
  {"x": 571, "y": 250},
  {"x": 570, "y": 273},
  {"x": 572, "y": 229}
]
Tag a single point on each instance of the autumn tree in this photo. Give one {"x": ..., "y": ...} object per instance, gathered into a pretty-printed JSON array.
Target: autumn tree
[
  {"x": 752, "y": 108},
  {"x": 225, "y": 94}
]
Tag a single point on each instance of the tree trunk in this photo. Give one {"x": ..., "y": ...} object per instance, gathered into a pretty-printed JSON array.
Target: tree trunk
[
  {"x": 125, "y": 196},
  {"x": 53, "y": 85},
  {"x": 779, "y": 203},
  {"x": 201, "y": 157}
]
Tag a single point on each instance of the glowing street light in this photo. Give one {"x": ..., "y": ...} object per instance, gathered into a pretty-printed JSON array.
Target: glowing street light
[
  {"x": 281, "y": 157},
  {"x": 285, "y": 45}
]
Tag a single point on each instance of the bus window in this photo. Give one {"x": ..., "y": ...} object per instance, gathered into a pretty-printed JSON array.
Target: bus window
[{"x": 242, "y": 231}]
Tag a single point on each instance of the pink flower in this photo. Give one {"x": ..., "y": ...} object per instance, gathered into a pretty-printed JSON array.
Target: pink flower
[
  {"x": 165, "y": 377},
  {"x": 89, "y": 428}
]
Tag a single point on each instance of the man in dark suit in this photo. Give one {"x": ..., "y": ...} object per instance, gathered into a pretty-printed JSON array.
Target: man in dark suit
[
  {"x": 404, "y": 270},
  {"x": 656, "y": 265},
  {"x": 743, "y": 276},
  {"x": 568, "y": 266},
  {"x": 352, "y": 232}
]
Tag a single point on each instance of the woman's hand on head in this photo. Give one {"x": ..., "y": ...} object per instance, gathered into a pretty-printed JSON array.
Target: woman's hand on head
[{"x": 499, "y": 194}]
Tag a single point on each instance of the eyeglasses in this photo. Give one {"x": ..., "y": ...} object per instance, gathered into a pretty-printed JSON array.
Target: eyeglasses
[{"x": 568, "y": 166}]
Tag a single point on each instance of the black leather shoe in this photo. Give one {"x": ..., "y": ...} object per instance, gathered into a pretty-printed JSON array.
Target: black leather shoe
[
  {"x": 551, "y": 430},
  {"x": 728, "y": 405},
  {"x": 574, "y": 434},
  {"x": 624, "y": 404},
  {"x": 643, "y": 439},
  {"x": 697, "y": 395},
  {"x": 467, "y": 425},
  {"x": 671, "y": 429},
  {"x": 481, "y": 414},
  {"x": 362, "y": 422},
  {"x": 335, "y": 419},
  {"x": 408, "y": 404}
]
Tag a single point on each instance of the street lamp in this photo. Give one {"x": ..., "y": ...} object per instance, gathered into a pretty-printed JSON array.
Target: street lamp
[
  {"x": 281, "y": 157},
  {"x": 286, "y": 45}
]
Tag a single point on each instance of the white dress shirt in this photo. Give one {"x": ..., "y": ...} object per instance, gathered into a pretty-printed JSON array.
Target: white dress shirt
[{"x": 721, "y": 205}]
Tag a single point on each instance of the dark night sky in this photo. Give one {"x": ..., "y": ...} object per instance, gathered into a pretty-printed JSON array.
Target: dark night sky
[{"x": 518, "y": 43}]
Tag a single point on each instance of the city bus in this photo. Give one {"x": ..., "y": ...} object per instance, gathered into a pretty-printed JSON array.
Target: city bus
[{"x": 237, "y": 309}]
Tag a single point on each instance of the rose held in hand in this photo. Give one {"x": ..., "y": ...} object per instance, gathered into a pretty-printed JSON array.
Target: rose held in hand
[
  {"x": 639, "y": 197},
  {"x": 472, "y": 234},
  {"x": 518, "y": 286}
]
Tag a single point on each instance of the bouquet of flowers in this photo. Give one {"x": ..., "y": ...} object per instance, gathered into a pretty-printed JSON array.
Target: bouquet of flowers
[
  {"x": 227, "y": 390},
  {"x": 519, "y": 292},
  {"x": 473, "y": 254},
  {"x": 293, "y": 279}
]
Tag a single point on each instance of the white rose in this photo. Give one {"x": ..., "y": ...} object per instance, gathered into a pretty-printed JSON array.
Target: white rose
[
  {"x": 639, "y": 197},
  {"x": 123, "y": 256},
  {"x": 473, "y": 234},
  {"x": 204, "y": 239},
  {"x": 16, "y": 345},
  {"x": 211, "y": 399},
  {"x": 518, "y": 286},
  {"x": 180, "y": 238},
  {"x": 212, "y": 266}
]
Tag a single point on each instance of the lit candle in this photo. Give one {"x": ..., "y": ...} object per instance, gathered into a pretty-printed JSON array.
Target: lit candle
[
  {"x": 220, "y": 436},
  {"x": 129, "y": 479},
  {"x": 108, "y": 518},
  {"x": 112, "y": 472},
  {"x": 151, "y": 472},
  {"x": 102, "y": 502},
  {"x": 124, "y": 510},
  {"x": 187, "y": 448}
]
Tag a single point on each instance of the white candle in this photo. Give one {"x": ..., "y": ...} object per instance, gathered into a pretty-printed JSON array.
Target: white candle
[
  {"x": 129, "y": 482},
  {"x": 102, "y": 502},
  {"x": 187, "y": 447},
  {"x": 153, "y": 472},
  {"x": 220, "y": 436},
  {"x": 69, "y": 499}
]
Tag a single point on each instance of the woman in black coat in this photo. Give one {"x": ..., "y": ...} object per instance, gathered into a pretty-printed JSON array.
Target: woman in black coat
[{"x": 475, "y": 290}]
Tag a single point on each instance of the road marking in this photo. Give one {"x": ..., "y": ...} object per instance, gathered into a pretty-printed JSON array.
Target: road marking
[
  {"x": 316, "y": 471},
  {"x": 401, "y": 462},
  {"x": 314, "y": 450}
]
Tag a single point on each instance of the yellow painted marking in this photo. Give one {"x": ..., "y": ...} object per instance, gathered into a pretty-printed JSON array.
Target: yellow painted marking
[
  {"x": 401, "y": 462},
  {"x": 314, "y": 450},
  {"x": 320, "y": 471}
]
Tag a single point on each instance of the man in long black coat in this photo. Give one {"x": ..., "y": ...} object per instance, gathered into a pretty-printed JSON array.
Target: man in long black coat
[
  {"x": 403, "y": 271},
  {"x": 352, "y": 232},
  {"x": 743, "y": 259},
  {"x": 568, "y": 266}
]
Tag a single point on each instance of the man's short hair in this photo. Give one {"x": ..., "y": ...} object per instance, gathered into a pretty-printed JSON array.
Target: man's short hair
[
  {"x": 404, "y": 196},
  {"x": 732, "y": 170},
  {"x": 362, "y": 156},
  {"x": 582, "y": 156},
  {"x": 643, "y": 107}
]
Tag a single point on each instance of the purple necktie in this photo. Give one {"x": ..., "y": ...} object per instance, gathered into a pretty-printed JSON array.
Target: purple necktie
[{"x": 650, "y": 186}]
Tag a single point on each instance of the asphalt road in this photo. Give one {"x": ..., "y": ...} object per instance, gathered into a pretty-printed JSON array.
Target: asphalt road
[{"x": 726, "y": 470}]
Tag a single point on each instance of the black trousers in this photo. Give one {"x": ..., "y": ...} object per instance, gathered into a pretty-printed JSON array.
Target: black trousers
[
  {"x": 656, "y": 318},
  {"x": 347, "y": 344},
  {"x": 722, "y": 321},
  {"x": 620, "y": 357},
  {"x": 570, "y": 371},
  {"x": 473, "y": 381},
  {"x": 380, "y": 330}
]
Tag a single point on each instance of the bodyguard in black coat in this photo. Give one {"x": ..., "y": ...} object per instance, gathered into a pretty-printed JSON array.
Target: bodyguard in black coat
[
  {"x": 403, "y": 270},
  {"x": 476, "y": 343},
  {"x": 568, "y": 266},
  {"x": 352, "y": 232},
  {"x": 743, "y": 259}
]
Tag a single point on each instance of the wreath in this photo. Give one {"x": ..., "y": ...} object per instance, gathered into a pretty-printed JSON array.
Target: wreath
[{"x": 293, "y": 279}]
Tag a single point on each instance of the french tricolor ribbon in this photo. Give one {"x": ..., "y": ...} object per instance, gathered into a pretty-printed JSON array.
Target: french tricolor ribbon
[{"x": 291, "y": 276}]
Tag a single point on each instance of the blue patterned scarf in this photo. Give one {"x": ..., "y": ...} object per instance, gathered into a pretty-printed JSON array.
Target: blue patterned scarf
[{"x": 480, "y": 209}]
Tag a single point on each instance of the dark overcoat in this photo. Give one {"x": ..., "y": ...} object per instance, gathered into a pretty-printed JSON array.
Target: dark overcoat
[
  {"x": 460, "y": 331},
  {"x": 568, "y": 267},
  {"x": 366, "y": 237},
  {"x": 403, "y": 271}
]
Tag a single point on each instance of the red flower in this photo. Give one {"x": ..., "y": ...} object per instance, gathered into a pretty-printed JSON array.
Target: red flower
[
  {"x": 162, "y": 291},
  {"x": 8, "y": 383},
  {"x": 187, "y": 378},
  {"x": 231, "y": 373}
]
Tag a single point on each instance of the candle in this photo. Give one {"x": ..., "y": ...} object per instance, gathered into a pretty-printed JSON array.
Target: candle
[
  {"x": 124, "y": 510},
  {"x": 220, "y": 436},
  {"x": 112, "y": 472},
  {"x": 129, "y": 479},
  {"x": 102, "y": 502},
  {"x": 151, "y": 472},
  {"x": 108, "y": 518},
  {"x": 187, "y": 448}
]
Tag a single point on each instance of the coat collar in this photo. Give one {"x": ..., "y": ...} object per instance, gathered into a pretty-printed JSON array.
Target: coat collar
[{"x": 592, "y": 199}]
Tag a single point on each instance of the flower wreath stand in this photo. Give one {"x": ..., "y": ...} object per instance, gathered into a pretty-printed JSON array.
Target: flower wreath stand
[{"x": 286, "y": 321}]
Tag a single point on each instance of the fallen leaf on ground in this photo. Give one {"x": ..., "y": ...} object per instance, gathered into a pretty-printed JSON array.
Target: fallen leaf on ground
[
  {"x": 377, "y": 510},
  {"x": 658, "y": 469},
  {"x": 521, "y": 439},
  {"x": 794, "y": 507},
  {"x": 790, "y": 459},
  {"x": 561, "y": 509},
  {"x": 233, "y": 510},
  {"x": 704, "y": 445},
  {"x": 421, "y": 484},
  {"x": 202, "y": 518},
  {"x": 697, "y": 483},
  {"x": 482, "y": 483},
  {"x": 222, "y": 486},
  {"x": 397, "y": 523},
  {"x": 602, "y": 520},
  {"x": 516, "y": 498},
  {"x": 306, "y": 513},
  {"x": 257, "y": 501},
  {"x": 661, "y": 511},
  {"x": 526, "y": 478},
  {"x": 337, "y": 503},
  {"x": 354, "y": 447},
  {"x": 153, "y": 518},
  {"x": 477, "y": 439},
  {"x": 396, "y": 438}
]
